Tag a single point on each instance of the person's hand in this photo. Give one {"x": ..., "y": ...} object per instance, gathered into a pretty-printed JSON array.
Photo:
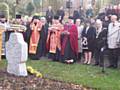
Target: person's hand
[
  {"x": 65, "y": 32},
  {"x": 60, "y": 17},
  {"x": 39, "y": 29},
  {"x": 50, "y": 28},
  {"x": 68, "y": 33}
]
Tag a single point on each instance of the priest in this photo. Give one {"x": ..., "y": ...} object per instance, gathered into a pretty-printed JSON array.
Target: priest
[
  {"x": 36, "y": 37},
  {"x": 69, "y": 42},
  {"x": 53, "y": 39}
]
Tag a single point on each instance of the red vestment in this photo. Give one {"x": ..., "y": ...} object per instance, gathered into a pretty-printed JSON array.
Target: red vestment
[
  {"x": 35, "y": 36},
  {"x": 53, "y": 39},
  {"x": 73, "y": 36}
]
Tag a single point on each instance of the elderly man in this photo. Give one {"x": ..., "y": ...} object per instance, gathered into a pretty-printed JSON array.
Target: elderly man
[
  {"x": 101, "y": 40},
  {"x": 113, "y": 40},
  {"x": 45, "y": 27}
]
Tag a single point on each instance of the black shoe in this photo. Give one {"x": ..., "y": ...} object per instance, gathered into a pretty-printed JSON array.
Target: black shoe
[
  {"x": 55, "y": 60},
  {"x": 101, "y": 65},
  {"x": 96, "y": 64},
  {"x": 111, "y": 66}
]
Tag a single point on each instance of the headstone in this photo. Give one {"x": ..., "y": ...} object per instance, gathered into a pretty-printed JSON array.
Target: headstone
[{"x": 16, "y": 54}]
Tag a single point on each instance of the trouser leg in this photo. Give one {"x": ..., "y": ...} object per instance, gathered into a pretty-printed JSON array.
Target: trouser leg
[
  {"x": 102, "y": 58},
  {"x": 97, "y": 56},
  {"x": 115, "y": 58}
]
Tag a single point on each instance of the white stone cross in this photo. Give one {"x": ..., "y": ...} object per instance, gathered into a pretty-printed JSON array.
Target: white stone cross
[{"x": 16, "y": 54}]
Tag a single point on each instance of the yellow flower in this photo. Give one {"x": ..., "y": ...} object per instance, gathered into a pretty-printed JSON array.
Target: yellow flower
[
  {"x": 29, "y": 68},
  {"x": 39, "y": 75},
  {"x": 33, "y": 71}
]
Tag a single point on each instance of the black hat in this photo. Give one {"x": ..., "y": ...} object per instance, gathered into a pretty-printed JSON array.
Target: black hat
[
  {"x": 36, "y": 17},
  {"x": 2, "y": 15},
  {"x": 70, "y": 17},
  {"x": 18, "y": 16},
  {"x": 56, "y": 17}
]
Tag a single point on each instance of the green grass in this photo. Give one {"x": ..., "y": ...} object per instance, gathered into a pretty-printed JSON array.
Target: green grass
[
  {"x": 89, "y": 76},
  {"x": 3, "y": 64}
]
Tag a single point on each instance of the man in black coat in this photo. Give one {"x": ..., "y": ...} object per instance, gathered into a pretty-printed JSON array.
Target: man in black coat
[
  {"x": 61, "y": 14},
  {"x": 49, "y": 15},
  {"x": 101, "y": 40}
]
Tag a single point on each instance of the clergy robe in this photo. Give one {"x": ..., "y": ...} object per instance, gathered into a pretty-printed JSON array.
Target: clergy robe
[
  {"x": 69, "y": 43},
  {"x": 36, "y": 37},
  {"x": 53, "y": 41}
]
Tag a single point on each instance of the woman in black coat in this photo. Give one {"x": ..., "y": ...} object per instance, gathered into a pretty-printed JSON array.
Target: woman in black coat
[{"x": 88, "y": 36}]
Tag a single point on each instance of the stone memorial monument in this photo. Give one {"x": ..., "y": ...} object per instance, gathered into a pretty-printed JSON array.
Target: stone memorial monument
[{"x": 16, "y": 54}]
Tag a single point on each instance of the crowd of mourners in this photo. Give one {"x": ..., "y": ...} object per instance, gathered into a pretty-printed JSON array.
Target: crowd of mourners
[{"x": 81, "y": 36}]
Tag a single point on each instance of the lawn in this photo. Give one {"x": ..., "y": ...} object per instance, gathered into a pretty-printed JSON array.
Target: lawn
[{"x": 89, "y": 76}]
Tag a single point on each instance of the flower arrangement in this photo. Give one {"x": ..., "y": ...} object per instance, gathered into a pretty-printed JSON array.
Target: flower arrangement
[{"x": 34, "y": 72}]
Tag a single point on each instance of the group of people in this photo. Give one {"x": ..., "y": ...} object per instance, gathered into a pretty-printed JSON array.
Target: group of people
[
  {"x": 58, "y": 40},
  {"x": 69, "y": 41}
]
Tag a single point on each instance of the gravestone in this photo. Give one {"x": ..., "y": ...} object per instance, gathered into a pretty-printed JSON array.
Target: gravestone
[{"x": 16, "y": 54}]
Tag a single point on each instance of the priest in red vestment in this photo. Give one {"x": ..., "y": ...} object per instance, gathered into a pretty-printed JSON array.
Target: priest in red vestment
[
  {"x": 36, "y": 27},
  {"x": 69, "y": 38},
  {"x": 53, "y": 39}
]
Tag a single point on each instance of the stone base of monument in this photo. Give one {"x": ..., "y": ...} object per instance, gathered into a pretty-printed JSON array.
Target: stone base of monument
[
  {"x": 16, "y": 54},
  {"x": 20, "y": 71}
]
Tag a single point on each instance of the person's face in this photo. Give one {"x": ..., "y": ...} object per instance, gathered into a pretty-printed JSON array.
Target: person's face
[
  {"x": 70, "y": 21},
  {"x": 87, "y": 24},
  {"x": 49, "y": 7},
  {"x": 115, "y": 7},
  {"x": 113, "y": 19},
  {"x": 78, "y": 22},
  {"x": 35, "y": 21},
  {"x": 2, "y": 20},
  {"x": 98, "y": 25},
  {"x": 56, "y": 21},
  {"x": 111, "y": 7},
  {"x": 92, "y": 20},
  {"x": 53, "y": 21},
  {"x": 18, "y": 21},
  {"x": 43, "y": 21},
  {"x": 61, "y": 8},
  {"x": 106, "y": 18},
  {"x": 81, "y": 8},
  {"x": 29, "y": 19}
]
